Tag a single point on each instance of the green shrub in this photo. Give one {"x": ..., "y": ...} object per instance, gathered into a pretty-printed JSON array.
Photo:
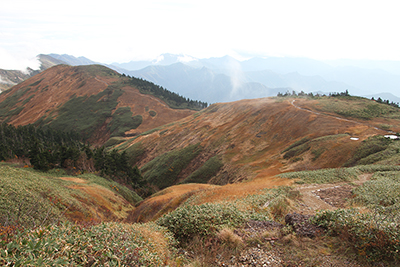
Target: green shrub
[
  {"x": 376, "y": 168},
  {"x": 359, "y": 108},
  {"x": 382, "y": 190},
  {"x": 317, "y": 152},
  {"x": 86, "y": 114},
  {"x": 134, "y": 152},
  {"x": 36, "y": 83},
  {"x": 105, "y": 244},
  {"x": 163, "y": 171},
  {"x": 297, "y": 150},
  {"x": 8, "y": 105},
  {"x": 324, "y": 175},
  {"x": 205, "y": 172},
  {"x": 96, "y": 70},
  {"x": 123, "y": 121},
  {"x": 374, "y": 235},
  {"x": 113, "y": 141},
  {"x": 152, "y": 113},
  {"x": 297, "y": 143},
  {"x": 364, "y": 154},
  {"x": 279, "y": 207},
  {"x": 30, "y": 198},
  {"x": 189, "y": 221}
]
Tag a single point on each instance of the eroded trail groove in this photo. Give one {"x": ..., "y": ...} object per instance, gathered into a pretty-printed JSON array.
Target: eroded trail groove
[{"x": 316, "y": 197}]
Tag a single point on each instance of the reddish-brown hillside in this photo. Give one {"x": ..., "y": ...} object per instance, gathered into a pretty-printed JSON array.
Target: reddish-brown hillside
[
  {"x": 72, "y": 91},
  {"x": 254, "y": 140},
  {"x": 250, "y": 136}
]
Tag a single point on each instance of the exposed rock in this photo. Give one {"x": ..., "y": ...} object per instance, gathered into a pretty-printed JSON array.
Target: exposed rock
[{"x": 302, "y": 226}]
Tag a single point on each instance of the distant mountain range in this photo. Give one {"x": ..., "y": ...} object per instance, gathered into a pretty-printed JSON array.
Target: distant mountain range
[
  {"x": 225, "y": 79},
  {"x": 359, "y": 77}
]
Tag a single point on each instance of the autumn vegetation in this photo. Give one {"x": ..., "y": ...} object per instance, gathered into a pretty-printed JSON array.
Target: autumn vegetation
[{"x": 207, "y": 188}]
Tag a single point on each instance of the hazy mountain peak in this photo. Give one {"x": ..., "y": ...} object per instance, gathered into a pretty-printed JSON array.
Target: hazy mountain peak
[{"x": 71, "y": 60}]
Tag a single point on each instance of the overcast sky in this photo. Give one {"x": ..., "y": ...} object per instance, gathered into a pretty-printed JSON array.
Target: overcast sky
[{"x": 120, "y": 31}]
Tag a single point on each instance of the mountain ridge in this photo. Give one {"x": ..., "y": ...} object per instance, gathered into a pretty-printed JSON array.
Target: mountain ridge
[
  {"x": 248, "y": 137},
  {"x": 333, "y": 76},
  {"x": 313, "y": 76},
  {"x": 85, "y": 98}
]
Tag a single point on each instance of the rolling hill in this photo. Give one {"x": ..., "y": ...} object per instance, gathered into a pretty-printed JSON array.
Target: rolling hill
[
  {"x": 248, "y": 139},
  {"x": 93, "y": 100}
]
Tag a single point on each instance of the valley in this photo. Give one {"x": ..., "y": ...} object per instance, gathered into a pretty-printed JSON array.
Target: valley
[{"x": 221, "y": 183}]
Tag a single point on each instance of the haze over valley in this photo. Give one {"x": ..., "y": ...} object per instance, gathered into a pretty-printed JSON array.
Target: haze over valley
[{"x": 226, "y": 79}]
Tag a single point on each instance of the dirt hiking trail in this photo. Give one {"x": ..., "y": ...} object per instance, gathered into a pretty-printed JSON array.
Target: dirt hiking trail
[{"x": 316, "y": 197}]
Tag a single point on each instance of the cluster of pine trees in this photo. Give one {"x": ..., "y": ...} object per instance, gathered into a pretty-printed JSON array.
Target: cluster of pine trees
[
  {"x": 177, "y": 100},
  {"x": 387, "y": 102},
  {"x": 48, "y": 149},
  {"x": 294, "y": 93},
  {"x": 345, "y": 93}
]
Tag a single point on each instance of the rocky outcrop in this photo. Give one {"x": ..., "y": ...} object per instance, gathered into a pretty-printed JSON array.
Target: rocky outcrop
[{"x": 302, "y": 226}]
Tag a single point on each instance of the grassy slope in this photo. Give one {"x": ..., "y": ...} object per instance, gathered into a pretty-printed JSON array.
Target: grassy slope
[
  {"x": 32, "y": 198},
  {"x": 329, "y": 149},
  {"x": 248, "y": 138},
  {"x": 248, "y": 200},
  {"x": 93, "y": 100}
]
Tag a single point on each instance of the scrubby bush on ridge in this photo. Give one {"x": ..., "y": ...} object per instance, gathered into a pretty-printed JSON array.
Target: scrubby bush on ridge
[{"x": 191, "y": 220}]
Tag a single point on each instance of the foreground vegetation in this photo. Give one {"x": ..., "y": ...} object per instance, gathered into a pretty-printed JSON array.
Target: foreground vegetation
[
  {"x": 368, "y": 228},
  {"x": 104, "y": 244},
  {"x": 374, "y": 233},
  {"x": 31, "y": 198},
  {"x": 36, "y": 227}
]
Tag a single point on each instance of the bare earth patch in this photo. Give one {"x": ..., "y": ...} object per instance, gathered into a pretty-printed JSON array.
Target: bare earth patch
[
  {"x": 336, "y": 196},
  {"x": 74, "y": 179},
  {"x": 327, "y": 196}
]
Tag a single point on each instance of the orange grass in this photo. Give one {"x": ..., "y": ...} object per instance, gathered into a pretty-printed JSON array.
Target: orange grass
[
  {"x": 172, "y": 197},
  {"x": 165, "y": 200},
  {"x": 101, "y": 203}
]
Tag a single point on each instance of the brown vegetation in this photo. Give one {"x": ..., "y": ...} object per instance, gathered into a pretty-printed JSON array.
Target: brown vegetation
[
  {"x": 46, "y": 92},
  {"x": 250, "y": 136}
]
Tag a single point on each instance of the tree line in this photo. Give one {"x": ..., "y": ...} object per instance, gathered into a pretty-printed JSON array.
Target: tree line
[
  {"x": 302, "y": 93},
  {"x": 294, "y": 93},
  {"x": 336, "y": 94},
  {"x": 387, "y": 102},
  {"x": 47, "y": 149},
  {"x": 174, "y": 99}
]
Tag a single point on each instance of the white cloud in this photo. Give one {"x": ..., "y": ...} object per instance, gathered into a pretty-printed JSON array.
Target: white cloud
[
  {"x": 125, "y": 30},
  {"x": 17, "y": 61},
  {"x": 186, "y": 58}
]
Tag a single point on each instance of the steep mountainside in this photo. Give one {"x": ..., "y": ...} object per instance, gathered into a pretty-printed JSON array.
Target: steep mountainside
[
  {"x": 93, "y": 100},
  {"x": 232, "y": 142},
  {"x": 9, "y": 78}
]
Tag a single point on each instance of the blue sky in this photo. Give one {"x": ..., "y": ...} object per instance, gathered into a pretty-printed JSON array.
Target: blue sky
[{"x": 120, "y": 31}]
